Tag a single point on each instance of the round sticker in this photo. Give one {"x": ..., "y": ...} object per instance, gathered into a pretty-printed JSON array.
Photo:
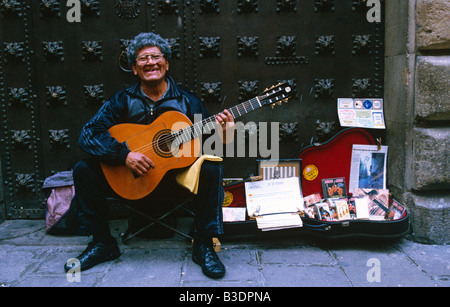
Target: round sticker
[
  {"x": 310, "y": 172},
  {"x": 358, "y": 104},
  {"x": 228, "y": 199},
  {"x": 367, "y": 104},
  {"x": 376, "y": 104}
]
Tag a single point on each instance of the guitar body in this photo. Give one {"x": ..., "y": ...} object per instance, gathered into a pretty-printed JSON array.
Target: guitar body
[{"x": 155, "y": 142}]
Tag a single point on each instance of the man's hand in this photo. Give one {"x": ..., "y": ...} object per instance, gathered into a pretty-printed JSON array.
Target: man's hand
[
  {"x": 139, "y": 163},
  {"x": 226, "y": 121}
]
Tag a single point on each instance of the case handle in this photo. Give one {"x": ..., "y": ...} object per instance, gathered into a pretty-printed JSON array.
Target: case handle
[{"x": 320, "y": 227}]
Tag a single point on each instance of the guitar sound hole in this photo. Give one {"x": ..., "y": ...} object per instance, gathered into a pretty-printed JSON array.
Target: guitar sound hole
[{"x": 162, "y": 144}]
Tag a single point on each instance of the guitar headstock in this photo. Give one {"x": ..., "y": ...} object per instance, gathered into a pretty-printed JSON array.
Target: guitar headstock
[{"x": 277, "y": 94}]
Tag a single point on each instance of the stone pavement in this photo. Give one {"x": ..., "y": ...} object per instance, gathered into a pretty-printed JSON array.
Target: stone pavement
[{"x": 30, "y": 257}]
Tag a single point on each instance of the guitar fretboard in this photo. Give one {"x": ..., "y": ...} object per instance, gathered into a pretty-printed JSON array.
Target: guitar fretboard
[{"x": 207, "y": 125}]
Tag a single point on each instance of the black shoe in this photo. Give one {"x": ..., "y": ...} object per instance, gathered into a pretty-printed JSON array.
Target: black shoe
[
  {"x": 204, "y": 255},
  {"x": 94, "y": 254}
]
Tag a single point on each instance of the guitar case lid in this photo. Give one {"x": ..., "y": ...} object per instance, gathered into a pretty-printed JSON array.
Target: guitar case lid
[{"x": 330, "y": 159}]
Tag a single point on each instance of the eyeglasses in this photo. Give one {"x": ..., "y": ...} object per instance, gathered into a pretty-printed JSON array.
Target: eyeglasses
[{"x": 143, "y": 59}]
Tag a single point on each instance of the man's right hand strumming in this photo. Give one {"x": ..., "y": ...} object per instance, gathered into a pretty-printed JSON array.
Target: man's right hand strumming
[{"x": 139, "y": 163}]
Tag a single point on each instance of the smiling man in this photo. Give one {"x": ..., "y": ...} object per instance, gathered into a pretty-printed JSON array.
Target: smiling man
[{"x": 141, "y": 103}]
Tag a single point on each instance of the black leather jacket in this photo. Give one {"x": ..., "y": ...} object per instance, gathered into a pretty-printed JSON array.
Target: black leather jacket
[{"x": 131, "y": 106}]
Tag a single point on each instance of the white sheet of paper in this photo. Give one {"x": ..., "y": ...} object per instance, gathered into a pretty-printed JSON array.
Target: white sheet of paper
[
  {"x": 362, "y": 208},
  {"x": 279, "y": 221},
  {"x": 273, "y": 196},
  {"x": 361, "y": 112}
]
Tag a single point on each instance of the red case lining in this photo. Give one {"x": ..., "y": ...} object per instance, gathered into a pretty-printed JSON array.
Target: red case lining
[{"x": 332, "y": 159}]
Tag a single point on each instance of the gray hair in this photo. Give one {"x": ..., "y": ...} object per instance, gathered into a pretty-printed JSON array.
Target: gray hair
[{"x": 147, "y": 40}]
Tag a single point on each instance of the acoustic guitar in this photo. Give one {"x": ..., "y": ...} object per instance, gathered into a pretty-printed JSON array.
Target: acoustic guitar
[{"x": 172, "y": 142}]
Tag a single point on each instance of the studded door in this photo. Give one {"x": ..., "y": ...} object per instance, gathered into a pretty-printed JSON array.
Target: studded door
[{"x": 55, "y": 74}]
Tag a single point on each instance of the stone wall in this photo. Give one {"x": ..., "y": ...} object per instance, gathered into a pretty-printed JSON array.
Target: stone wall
[
  {"x": 418, "y": 112},
  {"x": 433, "y": 24}
]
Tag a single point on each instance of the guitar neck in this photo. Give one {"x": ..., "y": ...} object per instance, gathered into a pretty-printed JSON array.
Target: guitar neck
[{"x": 207, "y": 125}]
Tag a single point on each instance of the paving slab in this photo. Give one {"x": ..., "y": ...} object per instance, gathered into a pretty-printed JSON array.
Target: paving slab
[{"x": 31, "y": 258}]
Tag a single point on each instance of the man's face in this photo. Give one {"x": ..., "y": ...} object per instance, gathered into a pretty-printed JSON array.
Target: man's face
[{"x": 150, "y": 66}]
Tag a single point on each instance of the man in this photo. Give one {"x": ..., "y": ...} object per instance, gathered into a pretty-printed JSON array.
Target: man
[{"x": 155, "y": 93}]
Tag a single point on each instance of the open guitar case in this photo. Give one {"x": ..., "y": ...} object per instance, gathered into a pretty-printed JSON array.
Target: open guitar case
[{"x": 328, "y": 160}]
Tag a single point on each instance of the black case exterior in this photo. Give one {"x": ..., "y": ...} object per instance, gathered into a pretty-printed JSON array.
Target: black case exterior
[
  {"x": 359, "y": 228},
  {"x": 395, "y": 229}
]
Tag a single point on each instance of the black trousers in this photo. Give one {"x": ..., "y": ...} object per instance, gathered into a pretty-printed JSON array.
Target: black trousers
[{"x": 92, "y": 191}]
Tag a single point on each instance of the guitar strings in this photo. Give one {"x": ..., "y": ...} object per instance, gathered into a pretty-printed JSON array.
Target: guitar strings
[
  {"x": 184, "y": 135},
  {"x": 169, "y": 138},
  {"x": 250, "y": 103},
  {"x": 191, "y": 130}
]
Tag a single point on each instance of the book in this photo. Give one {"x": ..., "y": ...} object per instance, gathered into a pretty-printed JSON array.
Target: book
[
  {"x": 359, "y": 208},
  {"x": 377, "y": 200},
  {"x": 273, "y": 196},
  {"x": 352, "y": 207},
  {"x": 341, "y": 209},
  {"x": 309, "y": 212},
  {"x": 322, "y": 211},
  {"x": 311, "y": 199},
  {"x": 278, "y": 221},
  {"x": 334, "y": 187},
  {"x": 275, "y": 203}
]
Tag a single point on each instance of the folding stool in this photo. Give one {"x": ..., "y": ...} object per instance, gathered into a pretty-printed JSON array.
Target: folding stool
[{"x": 176, "y": 205}]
